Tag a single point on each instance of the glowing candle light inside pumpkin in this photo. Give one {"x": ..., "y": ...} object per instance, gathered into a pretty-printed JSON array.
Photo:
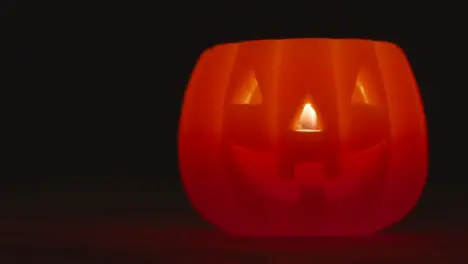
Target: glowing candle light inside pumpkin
[{"x": 307, "y": 121}]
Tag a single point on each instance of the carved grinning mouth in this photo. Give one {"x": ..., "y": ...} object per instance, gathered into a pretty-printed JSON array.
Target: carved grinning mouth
[{"x": 260, "y": 169}]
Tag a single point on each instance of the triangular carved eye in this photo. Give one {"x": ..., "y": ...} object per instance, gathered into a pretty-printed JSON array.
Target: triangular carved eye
[
  {"x": 363, "y": 91},
  {"x": 249, "y": 91}
]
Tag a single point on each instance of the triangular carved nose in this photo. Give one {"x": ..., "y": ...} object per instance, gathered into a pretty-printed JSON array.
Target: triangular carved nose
[{"x": 307, "y": 119}]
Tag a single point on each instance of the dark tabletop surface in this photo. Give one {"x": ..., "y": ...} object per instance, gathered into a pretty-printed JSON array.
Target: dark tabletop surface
[{"x": 81, "y": 240}]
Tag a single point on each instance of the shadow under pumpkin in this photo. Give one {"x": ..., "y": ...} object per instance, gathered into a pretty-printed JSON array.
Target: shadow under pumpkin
[{"x": 305, "y": 138}]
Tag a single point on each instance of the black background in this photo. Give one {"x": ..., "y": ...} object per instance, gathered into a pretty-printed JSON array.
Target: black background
[{"x": 95, "y": 91}]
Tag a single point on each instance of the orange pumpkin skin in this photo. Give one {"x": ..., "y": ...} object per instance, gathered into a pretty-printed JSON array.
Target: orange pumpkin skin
[{"x": 247, "y": 170}]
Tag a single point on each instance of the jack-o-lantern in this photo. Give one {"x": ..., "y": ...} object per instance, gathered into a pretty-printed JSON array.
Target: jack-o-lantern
[{"x": 303, "y": 137}]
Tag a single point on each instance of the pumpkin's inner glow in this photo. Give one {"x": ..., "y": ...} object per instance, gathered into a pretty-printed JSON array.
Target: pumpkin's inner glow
[
  {"x": 307, "y": 121},
  {"x": 360, "y": 95},
  {"x": 249, "y": 93}
]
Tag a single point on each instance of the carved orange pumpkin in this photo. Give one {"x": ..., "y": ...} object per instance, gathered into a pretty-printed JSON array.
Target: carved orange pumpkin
[{"x": 303, "y": 137}]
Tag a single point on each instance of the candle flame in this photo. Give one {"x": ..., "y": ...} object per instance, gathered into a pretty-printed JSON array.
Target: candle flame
[{"x": 308, "y": 121}]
